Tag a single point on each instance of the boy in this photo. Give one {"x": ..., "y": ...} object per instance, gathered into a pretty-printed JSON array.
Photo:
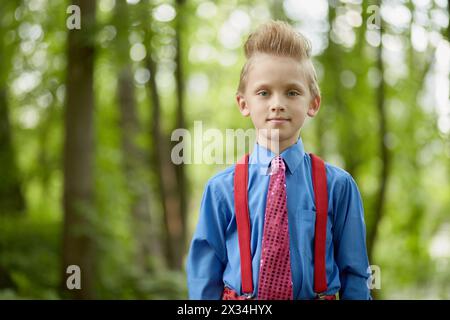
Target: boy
[{"x": 282, "y": 234}]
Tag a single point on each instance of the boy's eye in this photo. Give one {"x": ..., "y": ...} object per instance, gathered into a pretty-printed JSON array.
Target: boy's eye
[
  {"x": 294, "y": 93},
  {"x": 262, "y": 93}
]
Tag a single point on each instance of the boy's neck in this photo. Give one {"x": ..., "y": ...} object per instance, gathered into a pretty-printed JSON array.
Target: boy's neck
[{"x": 277, "y": 147}]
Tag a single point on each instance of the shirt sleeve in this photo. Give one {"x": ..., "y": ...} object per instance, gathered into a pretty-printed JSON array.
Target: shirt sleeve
[
  {"x": 349, "y": 238},
  {"x": 207, "y": 254}
]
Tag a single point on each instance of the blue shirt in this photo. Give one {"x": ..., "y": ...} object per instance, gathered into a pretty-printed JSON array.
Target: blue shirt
[{"x": 214, "y": 260}]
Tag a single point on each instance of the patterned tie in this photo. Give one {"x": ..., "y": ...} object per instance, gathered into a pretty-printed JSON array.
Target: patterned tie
[{"x": 275, "y": 282}]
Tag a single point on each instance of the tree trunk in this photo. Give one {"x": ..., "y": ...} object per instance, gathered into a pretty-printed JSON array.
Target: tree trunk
[
  {"x": 171, "y": 182},
  {"x": 133, "y": 157},
  {"x": 78, "y": 230},
  {"x": 182, "y": 184},
  {"x": 11, "y": 198},
  {"x": 384, "y": 152},
  {"x": 165, "y": 174}
]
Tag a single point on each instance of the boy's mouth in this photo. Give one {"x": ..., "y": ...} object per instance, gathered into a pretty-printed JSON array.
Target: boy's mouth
[{"x": 278, "y": 120}]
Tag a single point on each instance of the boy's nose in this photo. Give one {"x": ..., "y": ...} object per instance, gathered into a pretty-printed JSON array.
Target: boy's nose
[
  {"x": 277, "y": 107},
  {"x": 277, "y": 103}
]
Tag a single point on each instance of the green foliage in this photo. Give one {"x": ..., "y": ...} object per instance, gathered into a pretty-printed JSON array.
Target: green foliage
[{"x": 30, "y": 251}]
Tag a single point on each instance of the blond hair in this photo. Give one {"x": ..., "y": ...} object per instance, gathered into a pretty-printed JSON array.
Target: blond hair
[{"x": 280, "y": 39}]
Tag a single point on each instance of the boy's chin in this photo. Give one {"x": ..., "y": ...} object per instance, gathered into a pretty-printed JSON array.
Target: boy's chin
[{"x": 283, "y": 131}]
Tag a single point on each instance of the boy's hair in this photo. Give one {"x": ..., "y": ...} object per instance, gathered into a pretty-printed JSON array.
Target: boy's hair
[{"x": 280, "y": 39}]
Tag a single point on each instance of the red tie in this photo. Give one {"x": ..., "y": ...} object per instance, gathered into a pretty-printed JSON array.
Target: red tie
[{"x": 275, "y": 281}]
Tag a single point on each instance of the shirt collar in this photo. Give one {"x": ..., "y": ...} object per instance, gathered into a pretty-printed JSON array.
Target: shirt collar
[{"x": 292, "y": 156}]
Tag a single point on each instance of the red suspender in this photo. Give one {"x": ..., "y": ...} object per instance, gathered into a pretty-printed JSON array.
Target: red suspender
[
  {"x": 243, "y": 223},
  {"x": 319, "y": 178}
]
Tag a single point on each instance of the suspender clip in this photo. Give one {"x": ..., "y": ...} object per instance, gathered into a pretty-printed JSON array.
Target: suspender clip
[
  {"x": 248, "y": 295},
  {"x": 323, "y": 296}
]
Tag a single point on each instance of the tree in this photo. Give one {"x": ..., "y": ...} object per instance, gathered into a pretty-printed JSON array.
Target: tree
[
  {"x": 78, "y": 241},
  {"x": 182, "y": 182},
  {"x": 170, "y": 179},
  {"x": 133, "y": 156},
  {"x": 11, "y": 197}
]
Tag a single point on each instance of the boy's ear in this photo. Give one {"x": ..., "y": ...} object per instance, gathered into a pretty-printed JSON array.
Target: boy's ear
[
  {"x": 314, "y": 106},
  {"x": 242, "y": 104}
]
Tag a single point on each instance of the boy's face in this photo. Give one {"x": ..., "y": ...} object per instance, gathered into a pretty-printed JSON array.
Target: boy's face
[{"x": 277, "y": 96}]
